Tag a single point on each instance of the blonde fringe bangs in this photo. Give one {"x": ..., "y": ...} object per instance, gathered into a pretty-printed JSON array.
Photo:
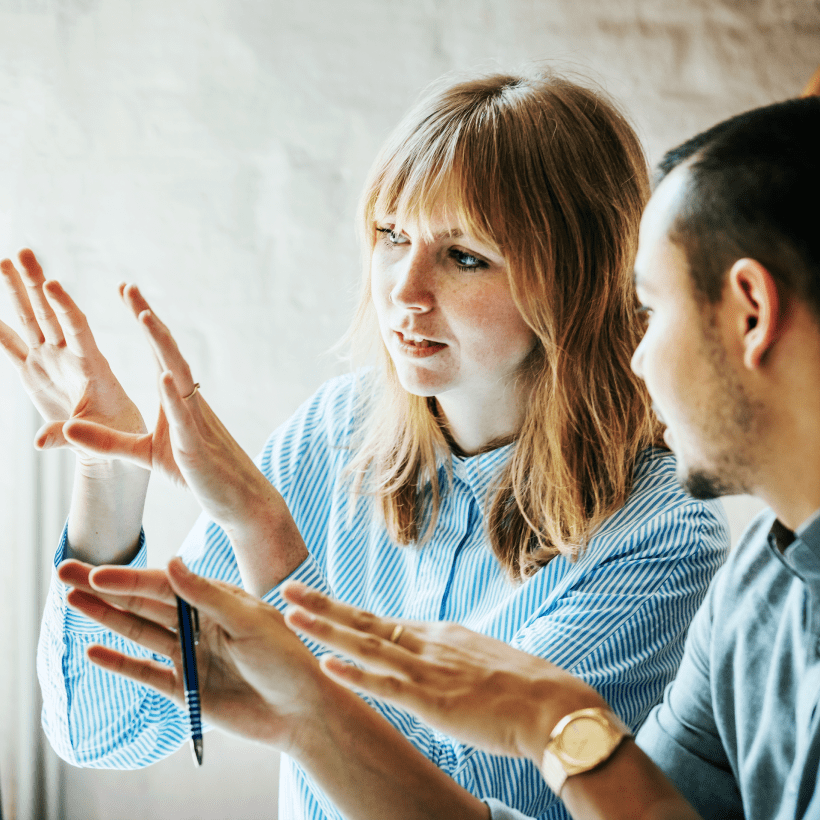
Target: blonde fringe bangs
[{"x": 551, "y": 175}]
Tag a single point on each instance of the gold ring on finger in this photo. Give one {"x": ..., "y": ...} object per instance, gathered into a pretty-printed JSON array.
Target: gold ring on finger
[
  {"x": 396, "y": 634},
  {"x": 192, "y": 393}
]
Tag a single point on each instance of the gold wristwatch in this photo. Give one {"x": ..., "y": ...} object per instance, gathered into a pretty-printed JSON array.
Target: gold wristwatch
[{"x": 579, "y": 742}]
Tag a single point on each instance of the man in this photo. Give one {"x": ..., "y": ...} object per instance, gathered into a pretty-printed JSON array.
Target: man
[{"x": 728, "y": 273}]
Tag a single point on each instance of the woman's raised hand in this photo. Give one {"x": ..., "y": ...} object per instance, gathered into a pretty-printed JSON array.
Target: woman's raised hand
[
  {"x": 256, "y": 678},
  {"x": 468, "y": 685},
  {"x": 59, "y": 362},
  {"x": 190, "y": 445}
]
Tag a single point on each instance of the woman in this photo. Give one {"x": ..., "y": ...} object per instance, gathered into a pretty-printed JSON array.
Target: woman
[{"x": 503, "y": 440}]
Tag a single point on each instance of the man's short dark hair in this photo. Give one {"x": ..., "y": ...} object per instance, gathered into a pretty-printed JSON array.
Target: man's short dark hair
[{"x": 753, "y": 192}]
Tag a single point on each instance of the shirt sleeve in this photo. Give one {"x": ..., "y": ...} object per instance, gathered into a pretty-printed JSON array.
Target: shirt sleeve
[
  {"x": 91, "y": 717},
  {"x": 96, "y": 719},
  {"x": 621, "y": 627},
  {"x": 681, "y": 735},
  {"x": 498, "y": 811}
]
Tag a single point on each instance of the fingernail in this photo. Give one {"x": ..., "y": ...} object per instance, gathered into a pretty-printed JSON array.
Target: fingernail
[
  {"x": 297, "y": 588},
  {"x": 301, "y": 617}
]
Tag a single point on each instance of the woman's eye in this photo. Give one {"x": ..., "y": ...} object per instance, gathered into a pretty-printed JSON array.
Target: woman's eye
[
  {"x": 393, "y": 238},
  {"x": 466, "y": 261},
  {"x": 644, "y": 313}
]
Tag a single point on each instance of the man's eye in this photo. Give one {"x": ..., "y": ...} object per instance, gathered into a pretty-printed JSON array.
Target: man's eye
[{"x": 392, "y": 237}]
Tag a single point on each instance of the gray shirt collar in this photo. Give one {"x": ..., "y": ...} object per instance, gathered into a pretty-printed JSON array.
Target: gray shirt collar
[{"x": 799, "y": 551}]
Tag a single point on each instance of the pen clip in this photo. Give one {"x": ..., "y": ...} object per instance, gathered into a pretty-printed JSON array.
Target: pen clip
[{"x": 195, "y": 614}]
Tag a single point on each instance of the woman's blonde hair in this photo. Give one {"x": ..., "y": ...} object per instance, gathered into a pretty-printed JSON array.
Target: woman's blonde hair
[{"x": 551, "y": 174}]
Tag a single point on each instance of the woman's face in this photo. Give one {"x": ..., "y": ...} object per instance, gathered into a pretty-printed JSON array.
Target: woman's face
[{"x": 446, "y": 312}]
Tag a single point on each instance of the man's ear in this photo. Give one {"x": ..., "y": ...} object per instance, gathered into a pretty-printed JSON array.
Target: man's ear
[{"x": 757, "y": 308}]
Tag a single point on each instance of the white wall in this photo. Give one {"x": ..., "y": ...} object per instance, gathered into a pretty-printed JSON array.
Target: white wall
[{"x": 212, "y": 151}]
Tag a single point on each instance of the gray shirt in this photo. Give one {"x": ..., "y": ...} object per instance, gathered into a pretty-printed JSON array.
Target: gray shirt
[{"x": 738, "y": 731}]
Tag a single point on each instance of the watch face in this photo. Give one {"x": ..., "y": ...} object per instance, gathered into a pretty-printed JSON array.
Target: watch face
[{"x": 584, "y": 739}]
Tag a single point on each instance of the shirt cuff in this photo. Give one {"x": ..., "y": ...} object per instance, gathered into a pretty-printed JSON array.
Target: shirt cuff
[
  {"x": 310, "y": 574},
  {"x": 75, "y": 621},
  {"x": 498, "y": 811}
]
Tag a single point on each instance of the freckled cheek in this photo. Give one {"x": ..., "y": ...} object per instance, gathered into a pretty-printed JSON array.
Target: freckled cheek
[
  {"x": 491, "y": 326},
  {"x": 380, "y": 289}
]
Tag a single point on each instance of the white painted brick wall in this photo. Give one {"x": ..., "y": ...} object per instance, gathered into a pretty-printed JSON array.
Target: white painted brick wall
[{"x": 212, "y": 151}]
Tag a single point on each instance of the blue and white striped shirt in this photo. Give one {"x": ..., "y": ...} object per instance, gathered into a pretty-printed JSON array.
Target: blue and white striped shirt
[{"x": 616, "y": 618}]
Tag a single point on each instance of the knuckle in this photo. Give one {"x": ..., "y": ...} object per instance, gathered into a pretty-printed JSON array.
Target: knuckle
[
  {"x": 370, "y": 646},
  {"x": 392, "y": 685},
  {"x": 364, "y": 621},
  {"x": 442, "y": 701}
]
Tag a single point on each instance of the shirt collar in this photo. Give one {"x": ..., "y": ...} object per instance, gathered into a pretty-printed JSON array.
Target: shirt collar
[
  {"x": 477, "y": 472},
  {"x": 799, "y": 551}
]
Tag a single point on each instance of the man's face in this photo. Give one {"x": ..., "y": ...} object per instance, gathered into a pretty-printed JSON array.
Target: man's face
[{"x": 693, "y": 375}]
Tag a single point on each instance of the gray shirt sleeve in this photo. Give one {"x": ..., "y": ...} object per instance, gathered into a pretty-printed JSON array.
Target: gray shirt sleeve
[{"x": 681, "y": 736}]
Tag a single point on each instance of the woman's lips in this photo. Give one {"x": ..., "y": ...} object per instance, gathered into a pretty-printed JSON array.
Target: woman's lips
[{"x": 418, "y": 349}]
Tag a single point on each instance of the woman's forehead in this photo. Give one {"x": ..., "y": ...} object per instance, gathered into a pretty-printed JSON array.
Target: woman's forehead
[{"x": 443, "y": 215}]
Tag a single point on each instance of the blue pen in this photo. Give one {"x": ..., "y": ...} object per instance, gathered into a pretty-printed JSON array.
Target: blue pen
[{"x": 188, "y": 637}]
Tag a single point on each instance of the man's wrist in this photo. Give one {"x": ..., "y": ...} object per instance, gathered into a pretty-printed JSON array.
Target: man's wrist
[
  {"x": 551, "y": 702},
  {"x": 580, "y": 742}
]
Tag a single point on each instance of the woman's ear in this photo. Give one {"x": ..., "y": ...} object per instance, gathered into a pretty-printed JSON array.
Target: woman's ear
[{"x": 757, "y": 308}]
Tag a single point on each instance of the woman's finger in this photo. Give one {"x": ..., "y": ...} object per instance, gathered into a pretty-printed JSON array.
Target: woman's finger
[
  {"x": 230, "y": 607},
  {"x": 400, "y": 691},
  {"x": 143, "y": 583},
  {"x": 30, "y": 329},
  {"x": 97, "y": 439},
  {"x": 359, "y": 620},
  {"x": 78, "y": 336},
  {"x": 149, "y": 673},
  {"x": 34, "y": 280},
  {"x": 136, "y": 303},
  {"x": 50, "y": 436},
  {"x": 365, "y": 647},
  {"x": 167, "y": 351},
  {"x": 76, "y": 574},
  {"x": 178, "y": 411},
  {"x": 13, "y": 346},
  {"x": 133, "y": 298},
  {"x": 146, "y": 633}
]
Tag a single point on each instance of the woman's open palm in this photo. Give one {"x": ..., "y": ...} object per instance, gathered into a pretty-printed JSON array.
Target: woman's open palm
[
  {"x": 58, "y": 360},
  {"x": 254, "y": 674}
]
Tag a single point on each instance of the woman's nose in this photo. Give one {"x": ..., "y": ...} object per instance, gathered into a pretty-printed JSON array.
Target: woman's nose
[{"x": 414, "y": 286}]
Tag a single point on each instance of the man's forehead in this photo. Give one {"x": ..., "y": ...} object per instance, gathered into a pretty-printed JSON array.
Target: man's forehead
[{"x": 658, "y": 219}]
